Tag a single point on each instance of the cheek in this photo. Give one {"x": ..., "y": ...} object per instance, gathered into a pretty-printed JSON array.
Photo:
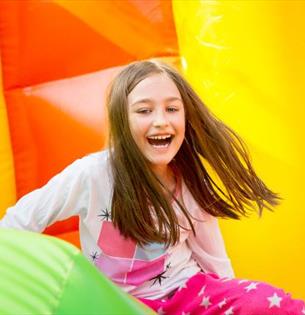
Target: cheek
[
  {"x": 139, "y": 123},
  {"x": 182, "y": 133},
  {"x": 180, "y": 124},
  {"x": 132, "y": 119},
  {"x": 183, "y": 129},
  {"x": 134, "y": 132},
  {"x": 137, "y": 128}
]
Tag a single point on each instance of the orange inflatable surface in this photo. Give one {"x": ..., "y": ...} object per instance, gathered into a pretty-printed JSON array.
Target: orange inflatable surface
[{"x": 58, "y": 57}]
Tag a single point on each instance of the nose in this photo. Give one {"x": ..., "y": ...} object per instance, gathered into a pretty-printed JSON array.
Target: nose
[{"x": 160, "y": 119}]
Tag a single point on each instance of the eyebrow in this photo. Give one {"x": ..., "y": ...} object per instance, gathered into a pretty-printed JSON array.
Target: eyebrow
[{"x": 148, "y": 100}]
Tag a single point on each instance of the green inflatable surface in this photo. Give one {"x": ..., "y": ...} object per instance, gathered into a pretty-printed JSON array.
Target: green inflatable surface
[{"x": 44, "y": 275}]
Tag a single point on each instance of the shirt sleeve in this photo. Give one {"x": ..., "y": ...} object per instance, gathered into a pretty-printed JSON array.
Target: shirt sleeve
[
  {"x": 208, "y": 247},
  {"x": 63, "y": 196}
]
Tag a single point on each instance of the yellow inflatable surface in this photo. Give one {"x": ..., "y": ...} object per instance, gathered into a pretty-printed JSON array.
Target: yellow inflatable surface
[{"x": 246, "y": 59}]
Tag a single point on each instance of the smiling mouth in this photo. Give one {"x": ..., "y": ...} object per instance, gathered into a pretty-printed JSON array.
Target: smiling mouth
[{"x": 159, "y": 142}]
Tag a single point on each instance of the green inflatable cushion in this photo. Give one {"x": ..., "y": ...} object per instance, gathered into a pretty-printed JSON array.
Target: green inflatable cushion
[{"x": 45, "y": 275}]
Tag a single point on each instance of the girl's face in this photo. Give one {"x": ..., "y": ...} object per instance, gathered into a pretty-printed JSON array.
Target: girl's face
[{"x": 157, "y": 119}]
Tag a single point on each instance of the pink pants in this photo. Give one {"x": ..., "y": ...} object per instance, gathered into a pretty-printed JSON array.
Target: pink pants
[{"x": 207, "y": 294}]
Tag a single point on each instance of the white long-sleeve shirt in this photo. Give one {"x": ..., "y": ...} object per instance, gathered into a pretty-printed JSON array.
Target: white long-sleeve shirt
[{"x": 84, "y": 188}]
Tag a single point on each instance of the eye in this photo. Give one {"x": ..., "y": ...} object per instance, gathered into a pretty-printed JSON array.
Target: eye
[
  {"x": 143, "y": 111},
  {"x": 172, "y": 109}
]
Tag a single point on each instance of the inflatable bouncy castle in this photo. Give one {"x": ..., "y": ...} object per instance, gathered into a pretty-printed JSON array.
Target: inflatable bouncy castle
[{"x": 245, "y": 58}]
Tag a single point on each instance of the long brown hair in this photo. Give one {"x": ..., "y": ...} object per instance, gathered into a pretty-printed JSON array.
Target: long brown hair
[{"x": 140, "y": 208}]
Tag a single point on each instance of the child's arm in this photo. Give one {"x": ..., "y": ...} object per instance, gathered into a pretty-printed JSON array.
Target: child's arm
[
  {"x": 208, "y": 247},
  {"x": 63, "y": 196}
]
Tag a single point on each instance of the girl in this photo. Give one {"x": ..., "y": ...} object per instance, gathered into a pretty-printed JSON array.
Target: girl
[{"x": 148, "y": 207}]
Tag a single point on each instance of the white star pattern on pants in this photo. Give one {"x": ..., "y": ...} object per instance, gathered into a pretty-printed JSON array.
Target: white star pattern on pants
[
  {"x": 229, "y": 311},
  {"x": 275, "y": 300},
  {"x": 303, "y": 311},
  {"x": 251, "y": 286},
  {"x": 206, "y": 302},
  {"x": 242, "y": 281},
  {"x": 202, "y": 290},
  {"x": 226, "y": 279},
  {"x": 222, "y": 303}
]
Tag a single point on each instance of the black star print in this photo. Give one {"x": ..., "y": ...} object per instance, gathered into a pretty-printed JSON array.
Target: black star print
[
  {"x": 160, "y": 276},
  {"x": 94, "y": 256},
  {"x": 105, "y": 215}
]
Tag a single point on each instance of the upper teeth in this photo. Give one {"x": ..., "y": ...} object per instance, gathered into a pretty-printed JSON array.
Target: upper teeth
[{"x": 160, "y": 137}]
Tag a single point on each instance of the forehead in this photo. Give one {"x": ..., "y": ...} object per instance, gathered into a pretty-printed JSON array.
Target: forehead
[{"x": 156, "y": 87}]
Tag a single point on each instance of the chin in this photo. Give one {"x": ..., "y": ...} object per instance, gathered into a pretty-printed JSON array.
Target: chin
[{"x": 163, "y": 162}]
